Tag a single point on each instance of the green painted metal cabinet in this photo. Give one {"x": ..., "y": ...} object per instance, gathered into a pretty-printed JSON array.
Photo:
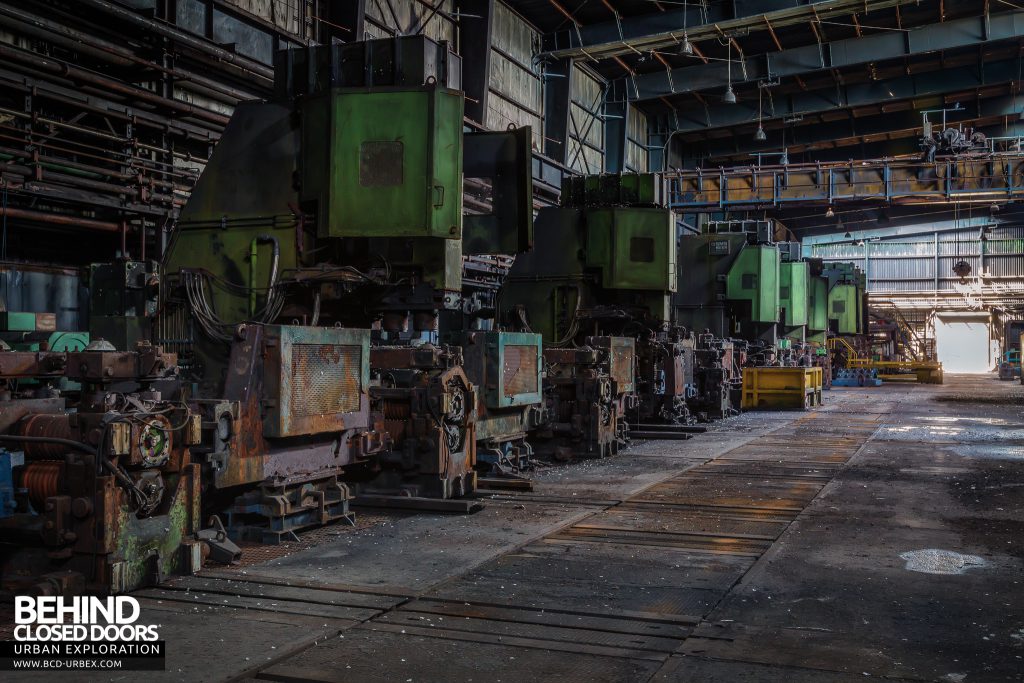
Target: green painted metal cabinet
[
  {"x": 754, "y": 277},
  {"x": 817, "y": 315},
  {"x": 794, "y": 278},
  {"x": 376, "y": 170},
  {"x": 844, "y": 308},
  {"x": 634, "y": 248}
]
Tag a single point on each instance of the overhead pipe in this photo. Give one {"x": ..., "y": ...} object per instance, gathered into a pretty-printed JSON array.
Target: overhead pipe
[
  {"x": 168, "y": 31},
  {"x": 50, "y": 31},
  {"x": 60, "y": 219},
  {"x": 76, "y": 181},
  {"x": 60, "y": 34},
  {"x": 52, "y": 87},
  {"x": 75, "y": 73}
]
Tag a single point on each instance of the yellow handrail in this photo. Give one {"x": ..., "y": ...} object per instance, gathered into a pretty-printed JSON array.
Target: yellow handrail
[{"x": 851, "y": 352}]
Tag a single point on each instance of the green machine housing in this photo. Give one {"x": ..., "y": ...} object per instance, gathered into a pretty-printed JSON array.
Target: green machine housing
[
  {"x": 507, "y": 367},
  {"x": 847, "y": 299},
  {"x": 338, "y": 186},
  {"x": 794, "y": 292},
  {"x": 817, "y": 302},
  {"x": 729, "y": 281},
  {"x": 382, "y": 174},
  {"x": 338, "y": 205},
  {"x": 381, "y": 162},
  {"x": 595, "y": 262}
]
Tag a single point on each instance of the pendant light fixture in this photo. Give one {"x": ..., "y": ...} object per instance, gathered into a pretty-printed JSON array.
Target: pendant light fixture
[
  {"x": 759, "y": 135},
  {"x": 685, "y": 47},
  {"x": 729, "y": 97}
]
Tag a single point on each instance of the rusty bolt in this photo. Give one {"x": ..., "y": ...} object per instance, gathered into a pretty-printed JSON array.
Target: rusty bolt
[{"x": 81, "y": 507}]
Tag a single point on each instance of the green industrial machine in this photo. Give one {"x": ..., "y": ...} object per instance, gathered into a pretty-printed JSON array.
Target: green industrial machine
[
  {"x": 506, "y": 367},
  {"x": 817, "y": 302},
  {"x": 757, "y": 296},
  {"x": 307, "y": 276},
  {"x": 604, "y": 266},
  {"x": 729, "y": 282},
  {"x": 794, "y": 292},
  {"x": 603, "y": 270},
  {"x": 26, "y": 327},
  {"x": 847, "y": 299}
]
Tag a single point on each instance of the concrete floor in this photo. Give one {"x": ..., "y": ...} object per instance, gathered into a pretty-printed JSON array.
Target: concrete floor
[{"x": 880, "y": 536}]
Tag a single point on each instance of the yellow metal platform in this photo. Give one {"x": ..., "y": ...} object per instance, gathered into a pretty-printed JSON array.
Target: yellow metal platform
[
  {"x": 781, "y": 388},
  {"x": 920, "y": 371}
]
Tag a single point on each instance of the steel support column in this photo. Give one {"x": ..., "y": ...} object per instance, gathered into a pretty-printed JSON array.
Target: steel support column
[{"x": 616, "y": 131}]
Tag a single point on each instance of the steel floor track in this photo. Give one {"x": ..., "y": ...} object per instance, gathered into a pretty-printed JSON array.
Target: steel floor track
[{"x": 609, "y": 598}]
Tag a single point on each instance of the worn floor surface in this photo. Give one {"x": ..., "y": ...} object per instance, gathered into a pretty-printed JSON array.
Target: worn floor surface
[{"x": 879, "y": 537}]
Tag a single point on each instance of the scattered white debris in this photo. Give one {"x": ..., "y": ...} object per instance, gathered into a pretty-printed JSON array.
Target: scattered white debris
[{"x": 935, "y": 561}]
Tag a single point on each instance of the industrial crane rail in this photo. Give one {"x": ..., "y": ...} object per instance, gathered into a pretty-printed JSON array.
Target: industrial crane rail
[{"x": 972, "y": 177}]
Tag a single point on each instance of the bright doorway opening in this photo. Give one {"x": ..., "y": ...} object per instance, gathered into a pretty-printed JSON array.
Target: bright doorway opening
[{"x": 962, "y": 341}]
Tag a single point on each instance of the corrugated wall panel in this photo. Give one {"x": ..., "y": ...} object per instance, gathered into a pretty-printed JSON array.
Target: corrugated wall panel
[
  {"x": 517, "y": 95},
  {"x": 586, "y": 128},
  {"x": 637, "y": 154},
  {"x": 387, "y": 17},
  {"x": 909, "y": 264},
  {"x": 284, "y": 14}
]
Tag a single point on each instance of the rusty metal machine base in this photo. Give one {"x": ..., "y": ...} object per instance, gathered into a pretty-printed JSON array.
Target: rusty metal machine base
[{"x": 273, "y": 513}]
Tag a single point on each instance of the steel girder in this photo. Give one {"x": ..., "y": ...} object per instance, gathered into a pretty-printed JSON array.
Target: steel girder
[
  {"x": 659, "y": 30},
  {"x": 895, "y": 124},
  {"x": 700, "y": 119},
  {"x": 832, "y": 55}
]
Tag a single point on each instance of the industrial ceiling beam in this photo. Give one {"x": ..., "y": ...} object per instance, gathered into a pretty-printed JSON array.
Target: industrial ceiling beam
[
  {"x": 817, "y": 134},
  {"x": 871, "y": 93},
  {"x": 877, "y": 47},
  {"x": 661, "y": 30}
]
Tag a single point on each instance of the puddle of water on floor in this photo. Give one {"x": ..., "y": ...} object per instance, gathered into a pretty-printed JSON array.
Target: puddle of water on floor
[
  {"x": 936, "y": 561},
  {"x": 964, "y": 434},
  {"x": 978, "y": 420},
  {"x": 986, "y": 450}
]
